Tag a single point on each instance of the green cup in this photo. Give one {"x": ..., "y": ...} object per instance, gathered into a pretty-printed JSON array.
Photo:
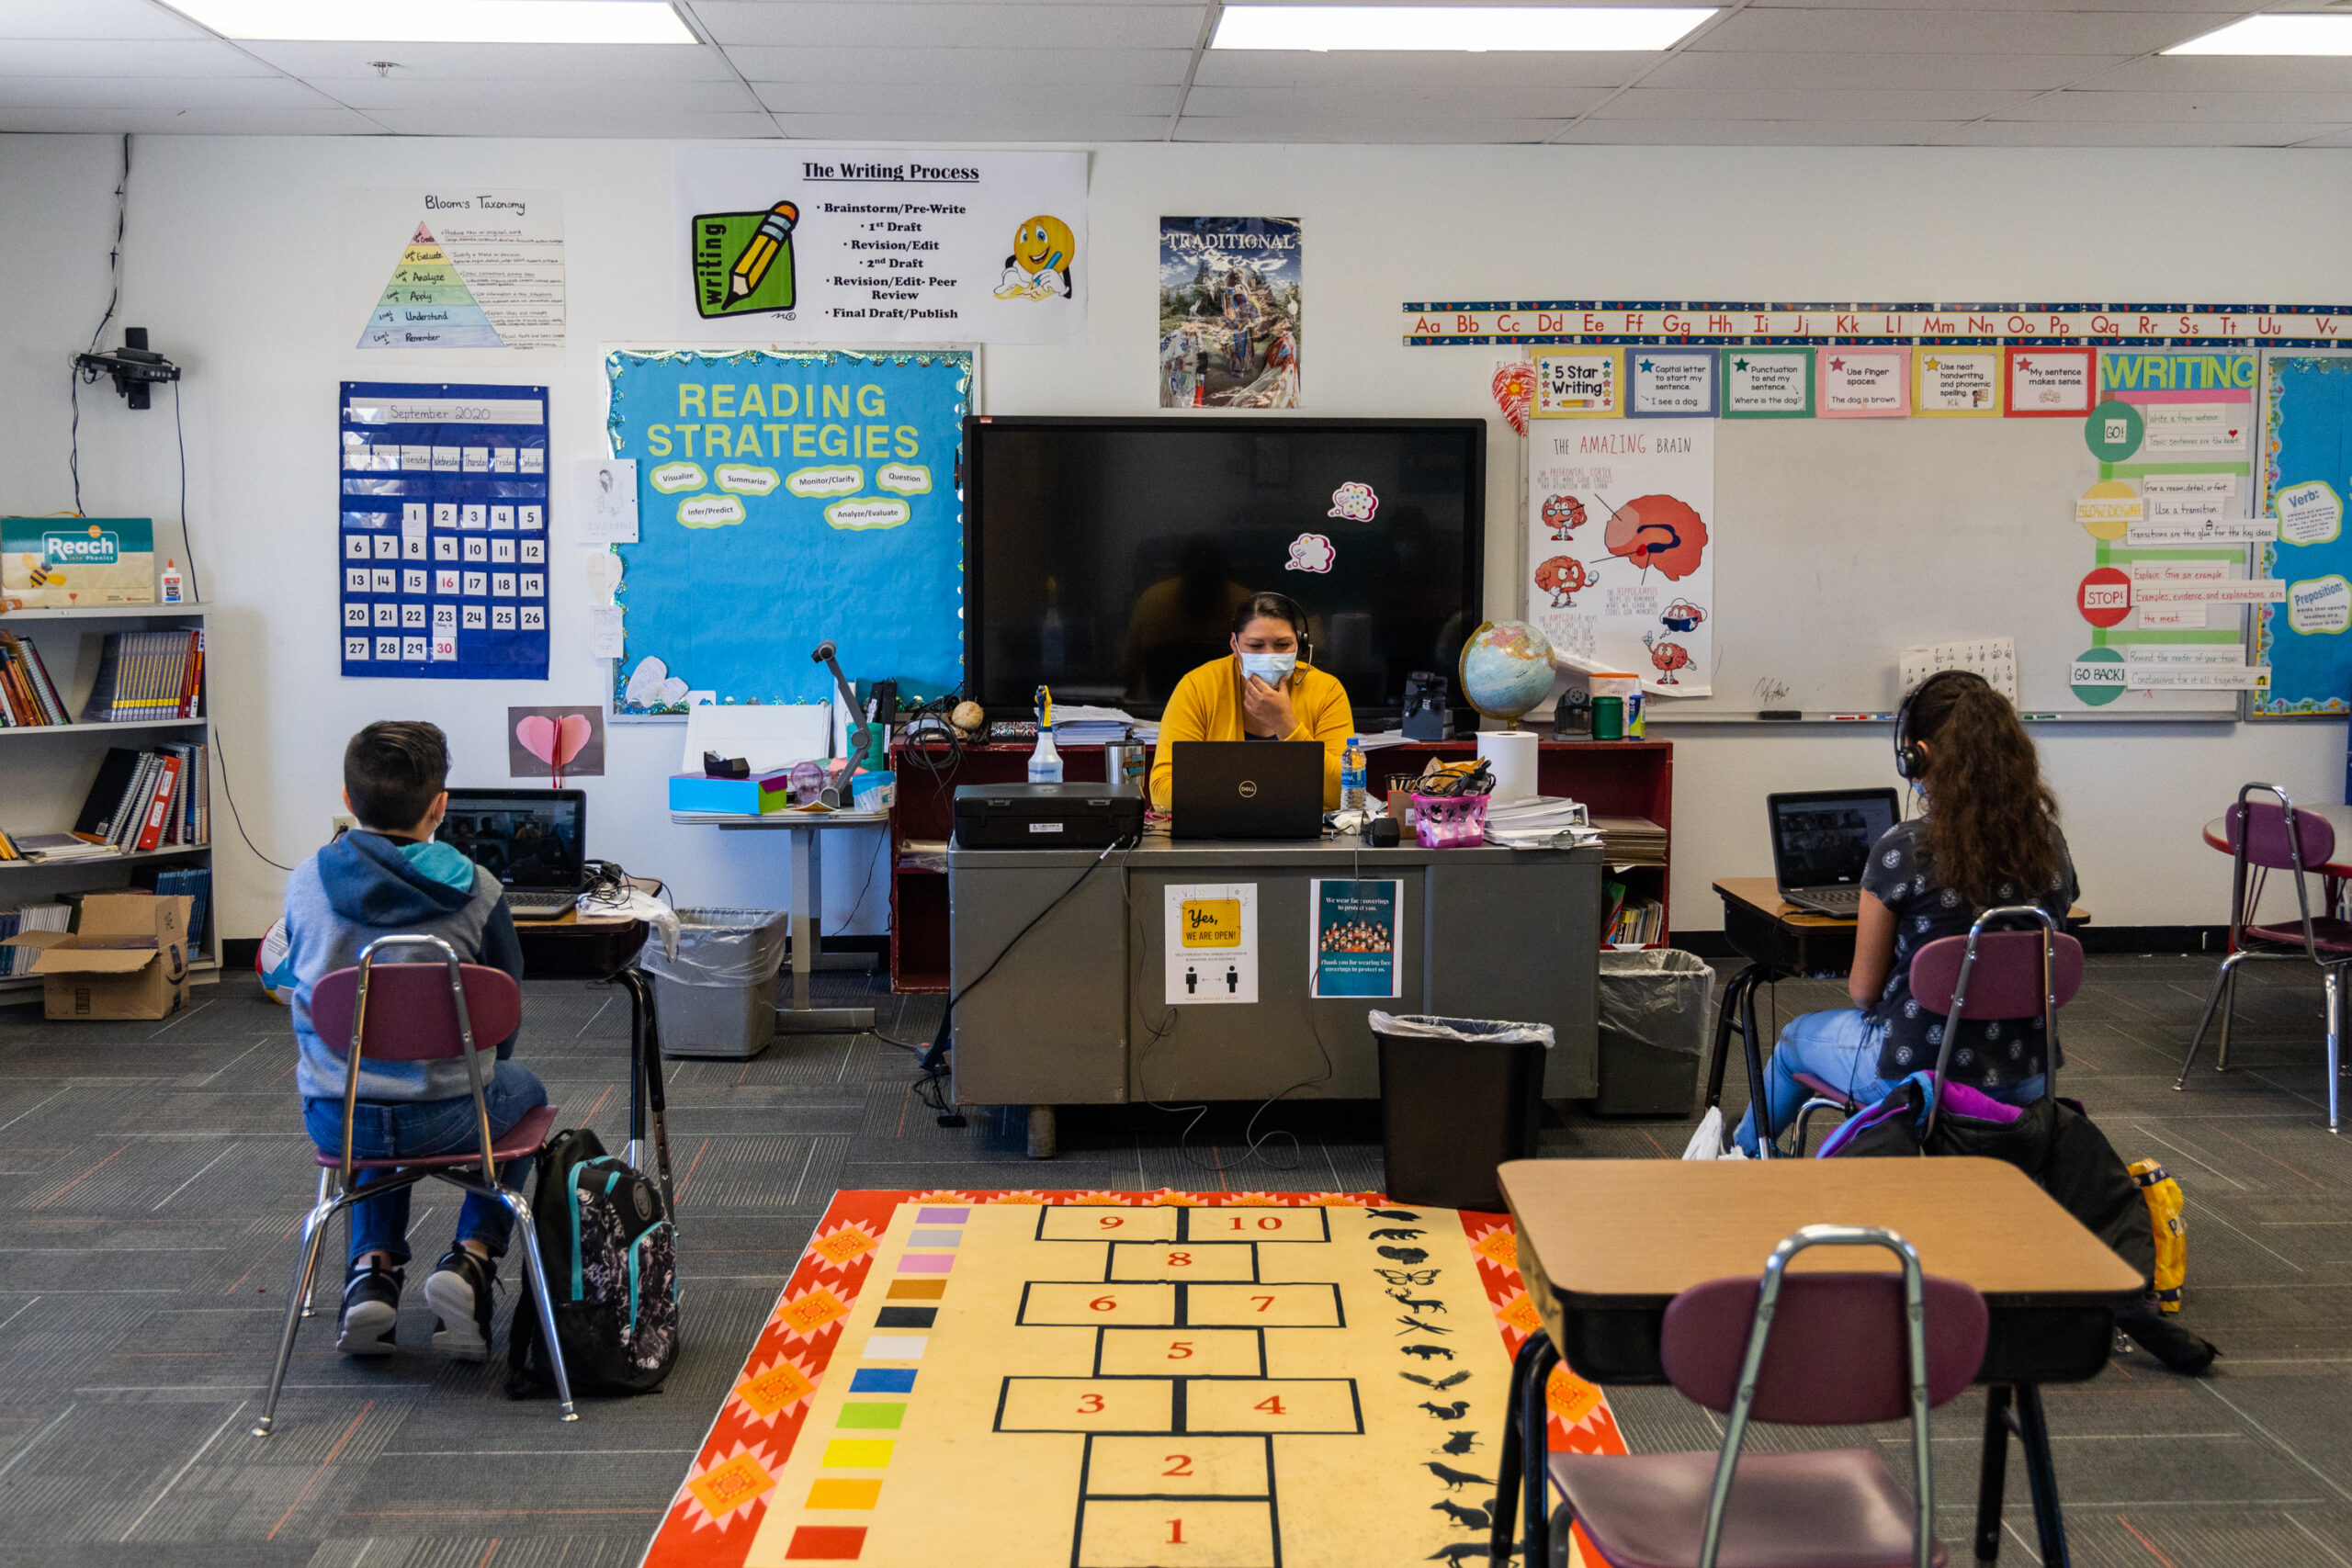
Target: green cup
[{"x": 1609, "y": 718}]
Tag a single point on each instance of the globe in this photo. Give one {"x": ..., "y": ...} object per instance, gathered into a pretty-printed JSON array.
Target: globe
[{"x": 1506, "y": 669}]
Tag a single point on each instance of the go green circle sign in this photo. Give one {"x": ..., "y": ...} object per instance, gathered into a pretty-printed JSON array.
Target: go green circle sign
[
  {"x": 2114, "y": 431},
  {"x": 2096, "y": 676}
]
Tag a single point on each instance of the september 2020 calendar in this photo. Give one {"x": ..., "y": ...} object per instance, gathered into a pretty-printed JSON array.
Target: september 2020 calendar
[{"x": 443, "y": 528}]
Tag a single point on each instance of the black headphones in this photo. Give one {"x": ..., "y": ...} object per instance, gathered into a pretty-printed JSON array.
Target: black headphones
[
  {"x": 1296, "y": 614},
  {"x": 1910, "y": 762}
]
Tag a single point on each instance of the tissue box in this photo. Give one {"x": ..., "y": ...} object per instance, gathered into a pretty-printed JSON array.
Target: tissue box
[{"x": 742, "y": 797}]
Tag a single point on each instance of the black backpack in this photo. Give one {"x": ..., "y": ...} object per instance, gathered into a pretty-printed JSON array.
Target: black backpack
[{"x": 611, "y": 1258}]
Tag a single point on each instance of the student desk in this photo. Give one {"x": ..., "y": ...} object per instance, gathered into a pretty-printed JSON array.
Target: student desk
[
  {"x": 800, "y": 829},
  {"x": 1605, "y": 1244},
  {"x": 1061, "y": 970}
]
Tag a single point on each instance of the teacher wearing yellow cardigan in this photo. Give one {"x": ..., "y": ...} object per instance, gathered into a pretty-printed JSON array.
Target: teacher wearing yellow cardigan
[{"x": 1263, "y": 691}]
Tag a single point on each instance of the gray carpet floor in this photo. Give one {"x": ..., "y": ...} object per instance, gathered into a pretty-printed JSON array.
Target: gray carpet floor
[{"x": 151, "y": 1175}]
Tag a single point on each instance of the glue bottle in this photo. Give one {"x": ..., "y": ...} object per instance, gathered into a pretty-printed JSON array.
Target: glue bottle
[
  {"x": 1045, "y": 762},
  {"x": 174, "y": 590}
]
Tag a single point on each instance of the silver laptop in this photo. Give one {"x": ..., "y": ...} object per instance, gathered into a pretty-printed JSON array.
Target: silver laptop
[
  {"x": 531, "y": 840},
  {"x": 1821, "y": 845}
]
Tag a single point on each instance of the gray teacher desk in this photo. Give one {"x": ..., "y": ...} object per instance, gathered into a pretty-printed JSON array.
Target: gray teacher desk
[{"x": 1074, "y": 1011}]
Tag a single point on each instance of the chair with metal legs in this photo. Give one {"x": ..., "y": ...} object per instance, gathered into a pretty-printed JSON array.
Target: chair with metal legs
[
  {"x": 2267, "y": 836},
  {"x": 1999, "y": 975},
  {"x": 422, "y": 1013}
]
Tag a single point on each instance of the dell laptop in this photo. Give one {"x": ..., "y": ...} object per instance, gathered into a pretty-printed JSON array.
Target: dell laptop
[
  {"x": 1247, "y": 789},
  {"x": 530, "y": 840},
  {"x": 1821, "y": 844}
]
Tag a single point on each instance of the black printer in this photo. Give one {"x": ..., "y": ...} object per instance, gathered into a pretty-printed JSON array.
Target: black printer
[{"x": 1046, "y": 816}]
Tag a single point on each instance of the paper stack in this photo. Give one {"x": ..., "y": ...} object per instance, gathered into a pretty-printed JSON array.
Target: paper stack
[
  {"x": 1076, "y": 724},
  {"x": 1632, "y": 840},
  {"x": 1537, "y": 822}
]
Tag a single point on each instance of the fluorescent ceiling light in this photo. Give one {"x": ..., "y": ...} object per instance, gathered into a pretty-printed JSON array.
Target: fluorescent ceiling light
[
  {"x": 442, "y": 21},
  {"x": 2289, "y": 34},
  {"x": 1473, "y": 28}
]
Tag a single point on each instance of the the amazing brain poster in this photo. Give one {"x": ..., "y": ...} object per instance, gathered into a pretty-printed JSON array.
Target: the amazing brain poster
[{"x": 1621, "y": 554}]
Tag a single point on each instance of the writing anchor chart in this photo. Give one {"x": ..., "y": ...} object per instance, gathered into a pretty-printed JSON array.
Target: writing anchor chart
[{"x": 427, "y": 305}]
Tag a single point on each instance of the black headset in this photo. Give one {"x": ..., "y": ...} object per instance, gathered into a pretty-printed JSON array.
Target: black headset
[
  {"x": 1910, "y": 762},
  {"x": 1296, "y": 614}
]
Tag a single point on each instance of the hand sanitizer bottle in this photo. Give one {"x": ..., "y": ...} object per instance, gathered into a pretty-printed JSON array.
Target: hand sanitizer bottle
[{"x": 1045, "y": 762}]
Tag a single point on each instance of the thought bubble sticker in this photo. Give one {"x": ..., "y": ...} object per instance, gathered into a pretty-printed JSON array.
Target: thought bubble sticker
[
  {"x": 2321, "y": 605},
  {"x": 857, "y": 517},
  {"x": 709, "y": 512},
  {"x": 1353, "y": 501},
  {"x": 744, "y": 479},
  {"x": 1309, "y": 552},
  {"x": 2309, "y": 514},
  {"x": 903, "y": 478},
  {"x": 815, "y": 484},
  {"x": 671, "y": 478}
]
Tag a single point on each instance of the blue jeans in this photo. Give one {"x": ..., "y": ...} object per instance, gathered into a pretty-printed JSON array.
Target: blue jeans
[
  {"x": 382, "y": 1129},
  {"x": 1840, "y": 1046}
]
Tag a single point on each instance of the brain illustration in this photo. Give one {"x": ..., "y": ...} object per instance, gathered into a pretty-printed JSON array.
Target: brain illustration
[
  {"x": 1562, "y": 575},
  {"x": 1657, "y": 531},
  {"x": 1563, "y": 514}
]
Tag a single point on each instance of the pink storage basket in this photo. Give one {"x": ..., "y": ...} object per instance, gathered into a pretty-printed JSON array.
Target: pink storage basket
[{"x": 1449, "y": 821}]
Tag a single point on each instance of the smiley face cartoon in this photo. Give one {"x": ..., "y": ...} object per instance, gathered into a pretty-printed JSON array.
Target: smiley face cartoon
[{"x": 1039, "y": 266}]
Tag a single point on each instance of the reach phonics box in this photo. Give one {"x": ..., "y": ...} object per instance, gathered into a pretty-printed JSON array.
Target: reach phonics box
[{"x": 64, "y": 562}]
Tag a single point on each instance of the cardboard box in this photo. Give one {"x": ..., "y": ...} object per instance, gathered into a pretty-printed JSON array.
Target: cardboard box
[
  {"x": 759, "y": 793},
  {"x": 127, "y": 957},
  {"x": 63, "y": 562}
]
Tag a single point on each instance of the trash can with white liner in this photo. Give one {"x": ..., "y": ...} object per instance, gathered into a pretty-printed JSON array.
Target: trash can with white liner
[
  {"x": 1654, "y": 1018},
  {"x": 716, "y": 997}
]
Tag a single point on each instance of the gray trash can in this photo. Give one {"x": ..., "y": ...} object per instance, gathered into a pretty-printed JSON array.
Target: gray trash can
[
  {"x": 717, "y": 996},
  {"x": 1654, "y": 1021},
  {"x": 1458, "y": 1097}
]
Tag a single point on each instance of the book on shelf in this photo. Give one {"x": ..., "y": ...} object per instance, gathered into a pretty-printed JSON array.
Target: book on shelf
[
  {"x": 9, "y": 849},
  {"x": 1637, "y": 921},
  {"x": 28, "y": 697},
  {"x": 192, "y": 882},
  {"x": 29, "y": 918},
  {"x": 64, "y": 846},
  {"x": 158, "y": 798},
  {"x": 146, "y": 676}
]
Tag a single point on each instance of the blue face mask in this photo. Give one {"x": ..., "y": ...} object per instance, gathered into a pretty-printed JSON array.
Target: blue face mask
[{"x": 1272, "y": 668}]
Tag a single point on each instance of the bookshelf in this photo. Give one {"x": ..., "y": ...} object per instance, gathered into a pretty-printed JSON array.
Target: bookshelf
[{"x": 50, "y": 768}]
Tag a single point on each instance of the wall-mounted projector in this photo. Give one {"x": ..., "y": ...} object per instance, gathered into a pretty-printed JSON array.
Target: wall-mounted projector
[{"x": 134, "y": 367}]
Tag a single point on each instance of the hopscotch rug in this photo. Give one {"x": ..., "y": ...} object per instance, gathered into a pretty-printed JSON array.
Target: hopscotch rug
[{"x": 1125, "y": 1379}]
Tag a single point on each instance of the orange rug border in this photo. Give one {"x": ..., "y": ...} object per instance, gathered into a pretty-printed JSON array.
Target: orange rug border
[{"x": 715, "y": 1514}]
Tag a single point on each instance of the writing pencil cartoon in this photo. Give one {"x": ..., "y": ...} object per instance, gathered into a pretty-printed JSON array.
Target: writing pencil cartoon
[{"x": 761, "y": 253}]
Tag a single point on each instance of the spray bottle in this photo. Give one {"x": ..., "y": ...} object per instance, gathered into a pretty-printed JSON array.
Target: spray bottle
[{"x": 1045, "y": 762}]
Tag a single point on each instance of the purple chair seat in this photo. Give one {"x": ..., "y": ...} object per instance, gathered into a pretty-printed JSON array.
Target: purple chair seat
[
  {"x": 1822, "y": 1088},
  {"x": 1827, "y": 1508},
  {"x": 521, "y": 1140},
  {"x": 2328, "y": 934}
]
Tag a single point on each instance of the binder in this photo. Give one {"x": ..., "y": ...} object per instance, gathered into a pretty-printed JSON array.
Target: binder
[{"x": 157, "y": 804}]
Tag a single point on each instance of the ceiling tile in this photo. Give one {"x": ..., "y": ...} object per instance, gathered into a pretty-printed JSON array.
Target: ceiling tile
[
  {"x": 1003, "y": 23},
  {"x": 1759, "y": 133},
  {"x": 1361, "y": 130},
  {"x": 1112, "y": 100},
  {"x": 1859, "y": 32},
  {"x": 944, "y": 129},
  {"x": 2230, "y": 73},
  {"x": 1491, "y": 71},
  {"x": 92, "y": 19},
  {"x": 490, "y": 118},
  {"x": 152, "y": 121},
  {"x": 480, "y": 62},
  {"x": 165, "y": 93},
  {"x": 1733, "y": 104},
  {"x": 1350, "y": 103},
  {"x": 2198, "y": 6},
  {"x": 912, "y": 67},
  {"x": 2190, "y": 109},
  {"x": 135, "y": 57},
  {"x": 2129, "y": 133},
  {"x": 622, "y": 98},
  {"x": 2009, "y": 72}
]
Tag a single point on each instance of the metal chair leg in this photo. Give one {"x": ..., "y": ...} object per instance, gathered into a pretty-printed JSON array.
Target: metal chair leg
[
  {"x": 2229, "y": 1011},
  {"x": 326, "y": 1175},
  {"x": 1805, "y": 1117},
  {"x": 2225, "y": 978},
  {"x": 297, "y": 1293},
  {"x": 537, "y": 1273},
  {"x": 2334, "y": 977},
  {"x": 1502, "y": 1540}
]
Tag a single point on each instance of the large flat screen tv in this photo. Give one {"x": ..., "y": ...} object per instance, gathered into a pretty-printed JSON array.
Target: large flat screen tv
[{"x": 1104, "y": 557}]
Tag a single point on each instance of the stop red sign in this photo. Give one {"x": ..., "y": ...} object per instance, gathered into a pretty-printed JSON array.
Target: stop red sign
[{"x": 2105, "y": 597}]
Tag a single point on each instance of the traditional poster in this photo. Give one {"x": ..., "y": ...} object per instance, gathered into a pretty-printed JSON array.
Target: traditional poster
[
  {"x": 1619, "y": 558},
  {"x": 426, "y": 273},
  {"x": 816, "y": 244},
  {"x": 1351, "y": 938},
  {"x": 1212, "y": 940},
  {"x": 443, "y": 528},
  {"x": 1230, "y": 293}
]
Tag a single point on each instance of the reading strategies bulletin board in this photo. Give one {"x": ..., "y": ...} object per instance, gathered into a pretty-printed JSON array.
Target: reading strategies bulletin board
[{"x": 785, "y": 497}]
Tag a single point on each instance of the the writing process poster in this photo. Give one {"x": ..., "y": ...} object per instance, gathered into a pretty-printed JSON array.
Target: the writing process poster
[
  {"x": 1353, "y": 940},
  {"x": 842, "y": 245},
  {"x": 1620, "y": 557},
  {"x": 1231, "y": 297},
  {"x": 1212, "y": 943},
  {"x": 444, "y": 526},
  {"x": 466, "y": 269}
]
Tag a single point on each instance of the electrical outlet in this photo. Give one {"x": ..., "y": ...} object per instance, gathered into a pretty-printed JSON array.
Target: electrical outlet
[{"x": 341, "y": 823}]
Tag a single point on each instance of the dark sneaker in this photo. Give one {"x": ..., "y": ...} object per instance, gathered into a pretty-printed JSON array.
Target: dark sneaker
[
  {"x": 371, "y": 1310},
  {"x": 458, "y": 1292}
]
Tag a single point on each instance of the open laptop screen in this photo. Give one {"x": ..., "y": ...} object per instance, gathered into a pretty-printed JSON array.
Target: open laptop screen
[
  {"x": 1823, "y": 838},
  {"x": 528, "y": 837}
]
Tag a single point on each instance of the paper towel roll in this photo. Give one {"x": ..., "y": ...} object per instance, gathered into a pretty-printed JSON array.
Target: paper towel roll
[{"x": 1511, "y": 754}]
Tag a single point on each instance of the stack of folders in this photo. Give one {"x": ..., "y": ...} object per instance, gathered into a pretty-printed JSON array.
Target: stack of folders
[
  {"x": 148, "y": 676},
  {"x": 1631, "y": 841},
  {"x": 29, "y": 918},
  {"x": 1077, "y": 723},
  {"x": 28, "y": 697},
  {"x": 193, "y": 883},
  {"x": 1537, "y": 822},
  {"x": 159, "y": 798}
]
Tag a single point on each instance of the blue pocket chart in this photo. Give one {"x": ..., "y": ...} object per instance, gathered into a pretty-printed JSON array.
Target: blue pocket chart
[
  {"x": 2306, "y": 451},
  {"x": 444, "y": 531}
]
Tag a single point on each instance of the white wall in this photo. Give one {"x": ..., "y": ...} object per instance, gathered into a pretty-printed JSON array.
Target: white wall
[{"x": 231, "y": 258}]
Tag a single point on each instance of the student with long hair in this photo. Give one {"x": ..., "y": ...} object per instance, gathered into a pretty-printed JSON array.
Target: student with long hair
[
  {"x": 1265, "y": 691},
  {"x": 1989, "y": 836}
]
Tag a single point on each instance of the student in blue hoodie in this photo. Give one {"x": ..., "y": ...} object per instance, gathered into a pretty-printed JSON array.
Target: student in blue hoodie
[{"x": 388, "y": 876}]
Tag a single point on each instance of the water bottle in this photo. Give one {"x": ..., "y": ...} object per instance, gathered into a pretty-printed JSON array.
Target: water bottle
[
  {"x": 1045, "y": 762},
  {"x": 1351, "y": 776}
]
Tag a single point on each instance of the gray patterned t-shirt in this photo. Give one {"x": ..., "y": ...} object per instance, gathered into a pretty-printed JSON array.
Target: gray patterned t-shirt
[{"x": 1990, "y": 1054}]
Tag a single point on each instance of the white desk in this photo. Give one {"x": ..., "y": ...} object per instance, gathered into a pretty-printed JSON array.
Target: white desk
[{"x": 801, "y": 829}]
